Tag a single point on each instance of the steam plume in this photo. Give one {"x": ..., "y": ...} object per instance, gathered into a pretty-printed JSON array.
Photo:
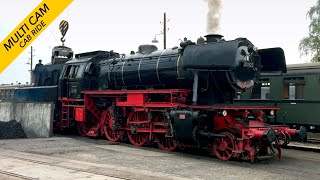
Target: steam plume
[{"x": 213, "y": 16}]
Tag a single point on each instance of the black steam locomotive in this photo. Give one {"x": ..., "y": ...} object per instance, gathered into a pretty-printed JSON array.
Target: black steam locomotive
[
  {"x": 218, "y": 68},
  {"x": 175, "y": 97}
]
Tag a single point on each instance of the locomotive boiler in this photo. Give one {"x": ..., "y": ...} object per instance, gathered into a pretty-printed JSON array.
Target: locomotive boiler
[{"x": 217, "y": 68}]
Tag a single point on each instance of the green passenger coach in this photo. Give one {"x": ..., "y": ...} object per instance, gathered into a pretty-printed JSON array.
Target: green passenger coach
[{"x": 297, "y": 93}]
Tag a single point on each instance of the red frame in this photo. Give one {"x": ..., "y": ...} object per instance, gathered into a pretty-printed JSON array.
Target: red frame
[
  {"x": 171, "y": 98},
  {"x": 80, "y": 115}
]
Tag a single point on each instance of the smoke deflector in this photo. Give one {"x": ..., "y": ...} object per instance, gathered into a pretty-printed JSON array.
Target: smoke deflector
[{"x": 272, "y": 60}]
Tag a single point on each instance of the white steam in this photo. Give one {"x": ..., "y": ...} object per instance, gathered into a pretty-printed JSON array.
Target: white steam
[{"x": 213, "y": 16}]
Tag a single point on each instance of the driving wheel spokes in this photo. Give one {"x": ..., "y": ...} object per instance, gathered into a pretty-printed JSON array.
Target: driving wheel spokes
[
  {"x": 108, "y": 126},
  {"x": 82, "y": 128},
  {"x": 223, "y": 147},
  {"x": 164, "y": 142},
  {"x": 138, "y": 138},
  {"x": 85, "y": 126}
]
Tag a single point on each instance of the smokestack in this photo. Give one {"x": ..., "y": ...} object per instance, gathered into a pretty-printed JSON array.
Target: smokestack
[
  {"x": 213, "y": 16},
  {"x": 213, "y": 38}
]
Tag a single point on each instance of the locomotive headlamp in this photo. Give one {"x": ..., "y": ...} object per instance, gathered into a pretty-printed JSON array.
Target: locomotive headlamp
[
  {"x": 245, "y": 84},
  {"x": 224, "y": 113},
  {"x": 272, "y": 112}
]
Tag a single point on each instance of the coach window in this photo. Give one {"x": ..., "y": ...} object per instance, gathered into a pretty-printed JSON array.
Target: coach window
[
  {"x": 7, "y": 94},
  {"x": 293, "y": 88},
  {"x": 265, "y": 90},
  {"x": 3, "y": 94},
  {"x": 12, "y": 94},
  {"x": 262, "y": 90}
]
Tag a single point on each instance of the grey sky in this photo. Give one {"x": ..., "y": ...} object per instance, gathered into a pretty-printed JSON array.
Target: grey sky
[{"x": 121, "y": 25}]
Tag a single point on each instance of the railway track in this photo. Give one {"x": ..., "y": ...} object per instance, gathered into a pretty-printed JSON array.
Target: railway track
[
  {"x": 313, "y": 140},
  {"x": 312, "y": 144},
  {"x": 74, "y": 168},
  {"x": 54, "y": 165},
  {"x": 15, "y": 176}
]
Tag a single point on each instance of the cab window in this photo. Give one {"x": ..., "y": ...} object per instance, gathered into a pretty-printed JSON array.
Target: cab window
[
  {"x": 71, "y": 72},
  {"x": 66, "y": 72},
  {"x": 80, "y": 71},
  {"x": 74, "y": 71}
]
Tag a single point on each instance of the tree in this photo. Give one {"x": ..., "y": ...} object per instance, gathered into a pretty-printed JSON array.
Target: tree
[{"x": 310, "y": 45}]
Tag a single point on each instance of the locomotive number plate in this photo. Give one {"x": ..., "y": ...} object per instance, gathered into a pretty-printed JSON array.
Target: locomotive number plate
[{"x": 248, "y": 64}]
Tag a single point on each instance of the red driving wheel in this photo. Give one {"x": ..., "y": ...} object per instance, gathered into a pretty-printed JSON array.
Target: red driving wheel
[
  {"x": 164, "y": 143},
  {"x": 87, "y": 124},
  {"x": 223, "y": 147},
  {"x": 138, "y": 138},
  {"x": 82, "y": 128},
  {"x": 108, "y": 121}
]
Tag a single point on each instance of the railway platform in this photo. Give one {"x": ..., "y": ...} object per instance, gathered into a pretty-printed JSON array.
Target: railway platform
[
  {"x": 21, "y": 165},
  {"x": 75, "y": 157}
]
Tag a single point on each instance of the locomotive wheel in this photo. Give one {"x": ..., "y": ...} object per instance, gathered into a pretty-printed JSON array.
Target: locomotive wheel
[
  {"x": 108, "y": 121},
  {"x": 138, "y": 139},
  {"x": 82, "y": 128},
  {"x": 164, "y": 143},
  {"x": 223, "y": 147}
]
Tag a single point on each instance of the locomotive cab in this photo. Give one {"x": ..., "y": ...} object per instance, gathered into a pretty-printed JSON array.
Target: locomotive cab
[
  {"x": 71, "y": 80},
  {"x": 82, "y": 73}
]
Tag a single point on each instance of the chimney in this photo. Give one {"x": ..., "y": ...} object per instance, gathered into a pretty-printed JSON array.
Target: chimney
[{"x": 213, "y": 38}]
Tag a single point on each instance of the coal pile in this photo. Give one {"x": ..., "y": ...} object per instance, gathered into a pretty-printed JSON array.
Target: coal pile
[{"x": 11, "y": 130}]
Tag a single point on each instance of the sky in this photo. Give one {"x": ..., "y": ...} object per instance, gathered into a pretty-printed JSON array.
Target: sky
[{"x": 123, "y": 25}]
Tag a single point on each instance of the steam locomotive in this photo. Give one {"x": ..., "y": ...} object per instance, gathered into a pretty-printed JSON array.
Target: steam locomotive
[{"x": 182, "y": 96}]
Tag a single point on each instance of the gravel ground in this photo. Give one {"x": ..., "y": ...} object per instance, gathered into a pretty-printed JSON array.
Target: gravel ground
[{"x": 199, "y": 165}]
